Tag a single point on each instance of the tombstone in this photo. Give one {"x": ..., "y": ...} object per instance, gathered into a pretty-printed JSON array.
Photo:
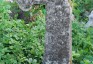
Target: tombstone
[
  {"x": 90, "y": 22},
  {"x": 58, "y": 31}
]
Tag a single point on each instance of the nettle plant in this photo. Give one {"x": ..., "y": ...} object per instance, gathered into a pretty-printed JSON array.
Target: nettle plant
[
  {"x": 20, "y": 43},
  {"x": 82, "y": 44},
  {"x": 82, "y": 8}
]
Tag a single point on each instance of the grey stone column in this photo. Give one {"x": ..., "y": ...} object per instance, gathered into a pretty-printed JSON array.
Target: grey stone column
[{"x": 58, "y": 33}]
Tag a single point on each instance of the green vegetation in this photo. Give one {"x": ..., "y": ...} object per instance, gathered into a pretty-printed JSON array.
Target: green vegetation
[
  {"x": 22, "y": 43},
  {"x": 81, "y": 8},
  {"x": 82, "y": 38},
  {"x": 82, "y": 44}
]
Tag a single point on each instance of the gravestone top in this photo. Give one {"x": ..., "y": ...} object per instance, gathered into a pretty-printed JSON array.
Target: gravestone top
[
  {"x": 26, "y": 5},
  {"x": 90, "y": 21},
  {"x": 40, "y": 1},
  {"x": 58, "y": 31}
]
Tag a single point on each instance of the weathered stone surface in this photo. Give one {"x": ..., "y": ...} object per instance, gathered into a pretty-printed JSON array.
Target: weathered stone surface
[
  {"x": 26, "y": 5},
  {"x": 58, "y": 32},
  {"x": 90, "y": 22}
]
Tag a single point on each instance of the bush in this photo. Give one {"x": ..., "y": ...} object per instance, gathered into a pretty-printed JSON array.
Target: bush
[
  {"x": 82, "y": 44},
  {"x": 20, "y": 43},
  {"x": 82, "y": 8}
]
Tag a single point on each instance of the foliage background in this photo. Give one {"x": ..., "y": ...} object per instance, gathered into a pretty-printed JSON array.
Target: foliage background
[
  {"x": 82, "y": 37},
  {"x": 22, "y": 43}
]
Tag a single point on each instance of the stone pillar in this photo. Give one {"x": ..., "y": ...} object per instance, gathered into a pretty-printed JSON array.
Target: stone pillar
[{"x": 58, "y": 33}]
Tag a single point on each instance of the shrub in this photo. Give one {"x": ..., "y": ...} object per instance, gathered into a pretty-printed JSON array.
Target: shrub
[
  {"x": 82, "y": 44},
  {"x": 20, "y": 43},
  {"x": 82, "y": 8}
]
